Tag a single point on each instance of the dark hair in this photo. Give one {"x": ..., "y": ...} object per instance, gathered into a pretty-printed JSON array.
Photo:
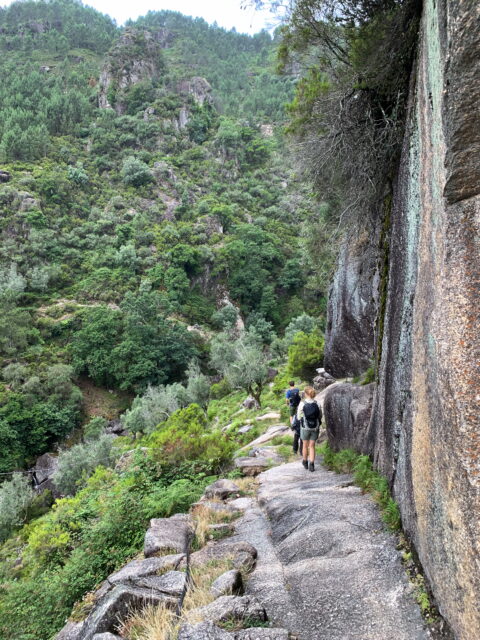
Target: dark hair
[{"x": 291, "y": 383}]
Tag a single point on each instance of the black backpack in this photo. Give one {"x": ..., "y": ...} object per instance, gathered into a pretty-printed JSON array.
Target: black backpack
[
  {"x": 295, "y": 398},
  {"x": 312, "y": 415}
]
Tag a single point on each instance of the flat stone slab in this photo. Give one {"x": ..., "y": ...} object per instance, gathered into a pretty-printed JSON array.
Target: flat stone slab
[
  {"x": 270, "y": 453},
  {"x": 228, "y": 608},
  {"x": 326, "y": 569},
  {"x": 222, "y": 489},
  {"x": 203, "y": 631},
  {"x": 171, "y": 583},
  {"x": 259, "y": 633},
  {"x": 272, "y": 432},
  {"x": 229, "y": 583},
  {"x": 240, "y": 504},
  {"x": 148, "y": 567},
  {"x": 167, "y": 535},
  {"x": 272, "y": 415},
  {"x": 242, "y": 553},
  {"x": 71, "y": 631},
  {"x": 252, "y": 466}
]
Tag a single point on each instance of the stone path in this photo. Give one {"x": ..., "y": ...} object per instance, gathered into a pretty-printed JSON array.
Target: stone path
[{"x": 326, "y": 568}]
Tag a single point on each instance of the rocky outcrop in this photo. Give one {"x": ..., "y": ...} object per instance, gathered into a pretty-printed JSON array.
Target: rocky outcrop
[
  {"x": 349, "y": 336},
  {"x": 252, "y": 466},
  {"x": 222, "y": 489},
  {"x": 347, "y": 409},
  {"x": 322, "y": 380},
  {"x": 226, "y": 608},
  {"x": 423, "y": 432},
  {"x": 135, "y": 57},
  {"x": 198, "y": 88},
  {"x": 42, "y": 474},
  {"x": 168, "y": 534},
  {"x": 117, "y": 605},
  {"x": 229, "y": 583}
]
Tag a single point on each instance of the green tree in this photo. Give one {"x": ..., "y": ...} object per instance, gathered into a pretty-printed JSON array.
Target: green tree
[
  {"x": 305, "y": 355},
  {"x": 242, "y": 362}
]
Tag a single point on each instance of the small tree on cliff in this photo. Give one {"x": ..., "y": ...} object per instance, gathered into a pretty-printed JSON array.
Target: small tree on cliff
[{"x": 242, "y": 362}]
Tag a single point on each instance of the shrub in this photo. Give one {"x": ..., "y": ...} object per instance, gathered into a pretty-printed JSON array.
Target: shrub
[
  {"x": 16, "y": 496},
  {"x": 220, "y": 389},
  {"x": 154, "y": 407},
  {"x": 77, "y": 463},
  {"x": 94, "y": 428},
  {"x": 135, "y": 172},
  {"x": 305, "y": 354},
  {"x": 185, "y": 436}
]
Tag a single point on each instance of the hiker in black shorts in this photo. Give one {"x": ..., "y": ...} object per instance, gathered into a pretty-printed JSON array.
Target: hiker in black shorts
[{"x": 293, "y": 400}]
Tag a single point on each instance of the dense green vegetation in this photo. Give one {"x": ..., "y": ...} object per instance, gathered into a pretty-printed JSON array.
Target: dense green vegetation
[
  {"x": 156, "y": 239},
  {"x": 126, "y": 229}
]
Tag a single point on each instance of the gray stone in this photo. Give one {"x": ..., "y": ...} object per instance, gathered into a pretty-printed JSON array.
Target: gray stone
[
  {"x": 222, "y": 489},
  {"x": 172, "y": 583},
  {"x": 322, "y": 380},
  {"x": 229, "y": 583},
  {"x": 462, "y": 96},
  {"x": 71, "y": 631},
  {"x": 240, "y": 504},
  {"x": 5, "y": 176},
  {"x": 167, "y": 534},
  {"x": 246, "y": 428},
  {"x": 347, "y": 409},
  {"x": 320, "y": 542},
  {"x": 272, "y": 432},
  {"x": 270, "y": 415},
  {"x": 142, "y": 568},
  {"x": 259, "y": 633},
  {"x": 199, "y": 88},
  {"x": 240, "y": 552},
  {"x": 45, "y": 467},
  {"x": 249, "y": 403},
  {"x": 252, "y": 466},
  {"x": 106, "y": 636},
  {"x": 117, "y": 605},
  {"x": 203, "y": 631},
  {"x": 28, "y": 203},
  {"x": 270, "y": 453},
  {"x": 351, "y": 313},
  {"x": 239, "y": 608}
]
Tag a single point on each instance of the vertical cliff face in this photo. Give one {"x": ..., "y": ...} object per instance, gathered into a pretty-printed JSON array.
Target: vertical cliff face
[
  {"x": 349, "y": 338},
  {"x": 424, "y": 431}
]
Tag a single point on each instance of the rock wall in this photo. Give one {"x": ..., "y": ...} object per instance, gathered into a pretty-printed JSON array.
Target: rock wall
[
  {"x": 349, "y": 338},
  {"x": 424, "y": 430}
]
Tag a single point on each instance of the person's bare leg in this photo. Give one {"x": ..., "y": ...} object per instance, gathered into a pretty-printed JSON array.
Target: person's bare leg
[
  {"x": 311, "y": 450},
  {"x": 305, "y": 449}
]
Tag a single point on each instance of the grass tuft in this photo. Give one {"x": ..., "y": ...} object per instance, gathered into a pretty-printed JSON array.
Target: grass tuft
[{"x": 370, "y": 481}]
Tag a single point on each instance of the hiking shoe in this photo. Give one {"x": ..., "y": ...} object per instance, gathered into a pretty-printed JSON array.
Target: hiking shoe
[
  {"x": 311, "y": 466},
  {"x": 305, "y": 463}
]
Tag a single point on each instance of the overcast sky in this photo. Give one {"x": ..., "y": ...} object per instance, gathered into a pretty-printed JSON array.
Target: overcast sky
[{"x": 227, "y": 13}]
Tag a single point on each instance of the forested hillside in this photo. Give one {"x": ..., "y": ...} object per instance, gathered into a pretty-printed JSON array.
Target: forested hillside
[
  {"x": 145, "y": 186},
  {"x": 158, "y": 261}
]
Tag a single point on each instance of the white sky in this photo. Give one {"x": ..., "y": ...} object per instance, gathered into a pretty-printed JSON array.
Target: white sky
[{"x": 227, "y": 13}]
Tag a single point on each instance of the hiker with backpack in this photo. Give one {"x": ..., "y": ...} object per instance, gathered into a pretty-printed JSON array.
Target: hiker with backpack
[
  {"x": 292, "y": 397},
  {"x": 293, "y": 400},
  {"x": 310, "y": 416}
]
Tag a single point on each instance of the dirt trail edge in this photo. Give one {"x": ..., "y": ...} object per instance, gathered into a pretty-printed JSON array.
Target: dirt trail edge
[{"x": 326, "y": 567}]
